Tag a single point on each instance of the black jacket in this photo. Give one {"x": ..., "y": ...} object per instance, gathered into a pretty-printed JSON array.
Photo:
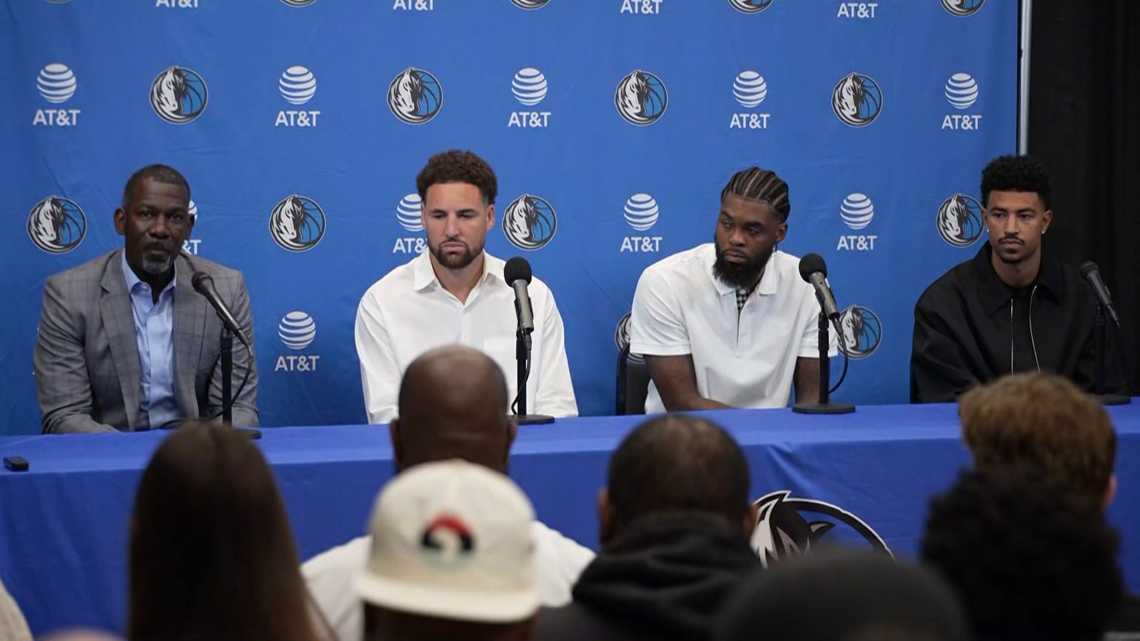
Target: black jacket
[
  {"x": 970, "y": 328},
  {"x": 663, "y": 578}
]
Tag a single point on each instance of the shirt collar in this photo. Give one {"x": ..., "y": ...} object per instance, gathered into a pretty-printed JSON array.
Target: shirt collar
[
  {"x": 766, "y": 286},
  {"x": 995, "y": 294},
  {"x": 423, "y": 276},
  {"x": 133, "y": 279}
]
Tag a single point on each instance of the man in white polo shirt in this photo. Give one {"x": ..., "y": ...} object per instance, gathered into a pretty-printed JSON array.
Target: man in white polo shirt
[
  {"x": 731, "y": 323},
  {"x": 455, "y": 293}
]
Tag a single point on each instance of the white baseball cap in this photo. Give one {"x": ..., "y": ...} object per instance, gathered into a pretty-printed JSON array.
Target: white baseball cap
[{"x": 452, "y": 540}]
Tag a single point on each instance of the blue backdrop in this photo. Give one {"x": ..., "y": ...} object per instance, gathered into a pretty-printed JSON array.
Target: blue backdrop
[{"x": 301, "y": 125}]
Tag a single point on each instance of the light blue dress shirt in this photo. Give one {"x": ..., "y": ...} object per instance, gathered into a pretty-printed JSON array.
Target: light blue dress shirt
[{"x": 154, "y": 332}]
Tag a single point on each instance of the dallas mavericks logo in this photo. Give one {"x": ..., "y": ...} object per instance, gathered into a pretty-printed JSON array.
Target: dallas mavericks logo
[
  {"x": 641, "y": 98},
  {"x": 750, "y": 6},
  {"x": 57, "y": 225},
  {"x": 297, "y": 330},
  {"x": 297, "y": 223},
  {"x": 857, "y": 100},
  {"x": 178, "y": 95},
  {"x": 960, "y": 220},
  {"x": 298, "y": 3},
  {"x": 415, "y": 96},
  {"x": 790, "y": 527},
  {"x": 530, "y": 4},
  {"x": 621, "y": 337},
  {"x": 962, "y": 8},
  {"x": 860, "y": 332},
  {"x": 529, "y": 222}
]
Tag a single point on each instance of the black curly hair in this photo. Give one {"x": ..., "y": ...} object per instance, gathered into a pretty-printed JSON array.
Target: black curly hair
[
  {"x": 455, "y": 166},
  {"x": 1016, "y": 173}
]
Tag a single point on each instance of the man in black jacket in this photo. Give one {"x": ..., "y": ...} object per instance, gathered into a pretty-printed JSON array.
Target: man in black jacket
[
  {"x": 1008, "y": 309},
  {"x": 675, "y": 524}
]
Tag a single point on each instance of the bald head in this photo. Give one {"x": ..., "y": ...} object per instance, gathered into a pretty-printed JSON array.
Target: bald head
[{"x": 453, "y": 404}]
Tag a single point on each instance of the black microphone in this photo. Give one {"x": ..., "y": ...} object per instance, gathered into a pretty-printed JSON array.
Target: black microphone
[
  {"x": 517, "y": 274},
  {"x": 814, "y": 271},
  {"x": 204, "y": 285},
  {"x": 1091, "y": 273}
]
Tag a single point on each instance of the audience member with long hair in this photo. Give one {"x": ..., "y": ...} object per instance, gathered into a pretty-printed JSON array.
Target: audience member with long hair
[{"x": 211, "y": 551}]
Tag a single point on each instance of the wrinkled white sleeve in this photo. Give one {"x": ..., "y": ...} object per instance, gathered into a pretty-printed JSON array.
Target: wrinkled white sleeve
[
  {"x": 554, "y": 392},
  {"x": 379, "y": 372},
  {"x": 329, "y": 577},
  {"x": 657, "y": 321}
]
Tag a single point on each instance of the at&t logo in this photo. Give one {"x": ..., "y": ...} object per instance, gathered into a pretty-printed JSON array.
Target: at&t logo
[
  {"x": 56, "y": 84},
  {"x": 190, "y": 245},
  {"x": 860, "y": 332},
  {"x": 297, "y": 85},
  {"x": 297, "y": 223},
  {"x": 177, "y": 4},
  {"x": 529, "y": 88},
  {"x": 529, "y": 222},
  {"x": 962, "y": 93},
  {"x": 408, "y": 215},
  {"x": 415, "y": 96},
  {"x": 641, "y": 212},
  {"x": 857, "y": 211},
  {"x": 962, "y": 8},
  {"x": 750, "y": 90},
  {"x": 641, "y": 98},
  {"x": 57, "y": 225},
  {"x": 857, "y": 100},
  {"x": 959, "y": 220},
  {"x": 297, "y": 330},
  {"x": 414, "y": 5},
  {"x": 857, "y": 9},
  {"x": 641, "y": 7},
  {"x": 750, "y": 6},
  {"x": 178, "y": 95}
]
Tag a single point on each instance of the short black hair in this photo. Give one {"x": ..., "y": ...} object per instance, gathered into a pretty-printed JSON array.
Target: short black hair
[
  {"x": 1028, "y": 557},
  {"x": 157, "y": 173},
  {"x": 678, "y": 462},
  {"x": 455, "y": 166},
  {"x": 1016, "y": 173},
  {"x": 764, "y": 185}
]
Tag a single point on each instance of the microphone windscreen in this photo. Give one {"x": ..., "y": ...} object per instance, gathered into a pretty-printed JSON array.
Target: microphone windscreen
[
  {"x": 1087, "y": 268},
  {"x": 517, "y": 268},
  {"x": 200, "y": 281},
  {"x": 810, "y": 264}
]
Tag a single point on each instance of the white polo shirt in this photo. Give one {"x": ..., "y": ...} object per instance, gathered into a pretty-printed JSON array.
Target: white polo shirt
[
  {"x": 745, "y": 360},
  {"x": 408, "y": 312}
]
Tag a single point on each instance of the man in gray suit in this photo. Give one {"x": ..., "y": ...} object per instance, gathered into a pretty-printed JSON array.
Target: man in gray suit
[{"x": 124, "y": 341}]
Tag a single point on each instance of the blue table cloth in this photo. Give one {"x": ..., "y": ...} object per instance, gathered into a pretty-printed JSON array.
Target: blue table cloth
[{"x": 64, "y": 522}]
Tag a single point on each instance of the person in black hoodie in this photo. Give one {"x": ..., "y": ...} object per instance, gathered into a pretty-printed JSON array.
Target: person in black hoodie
[
  {"x": 1008, "y": 309},
  {"x": 675, "y": 523}
]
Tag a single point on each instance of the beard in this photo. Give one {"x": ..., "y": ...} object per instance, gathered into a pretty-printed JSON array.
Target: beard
[
  {"x": 456, "y": 261},
  {"x": 740, "y": 276},
  {"x": 155, "y": 266}
]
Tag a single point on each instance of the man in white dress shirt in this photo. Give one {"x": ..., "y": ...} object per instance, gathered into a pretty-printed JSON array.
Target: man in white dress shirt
[
  {"x": 731, "y": 323},
  {"x": 455, "y": 293}
]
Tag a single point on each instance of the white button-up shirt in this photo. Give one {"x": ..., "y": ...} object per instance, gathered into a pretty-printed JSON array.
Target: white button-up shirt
[
  {"x": 408, "y": 312},
  {"x": 745, "y": 359}
]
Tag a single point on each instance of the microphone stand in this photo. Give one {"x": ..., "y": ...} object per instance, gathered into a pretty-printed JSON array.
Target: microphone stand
[
  {"x": 823, "y": 406},
  {"x": 522, "y": 356},
  {"x": 227, "y": 358},
  {"x": 1099, "y": 375}
]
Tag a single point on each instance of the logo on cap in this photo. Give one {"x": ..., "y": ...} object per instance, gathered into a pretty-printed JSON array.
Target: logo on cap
[{"x": 447, "y": 541}]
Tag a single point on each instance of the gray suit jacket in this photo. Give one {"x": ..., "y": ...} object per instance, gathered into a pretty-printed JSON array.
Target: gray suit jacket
[{"x": 87, "y": 358}]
